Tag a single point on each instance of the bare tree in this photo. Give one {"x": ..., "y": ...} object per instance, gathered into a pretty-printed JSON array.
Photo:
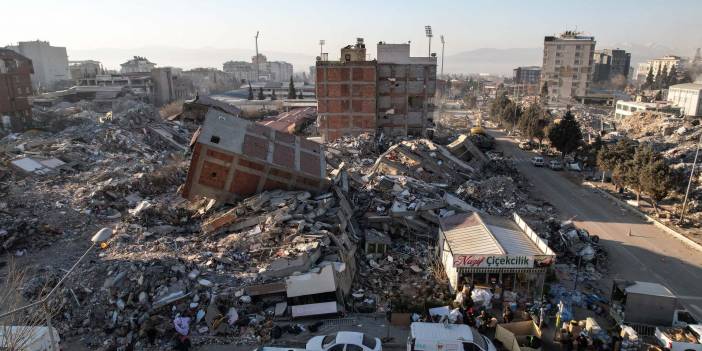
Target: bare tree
[{"x": 19, "y": 330}]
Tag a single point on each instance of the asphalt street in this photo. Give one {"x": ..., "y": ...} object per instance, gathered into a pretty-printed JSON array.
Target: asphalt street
[{"x": 649, "y": 254}]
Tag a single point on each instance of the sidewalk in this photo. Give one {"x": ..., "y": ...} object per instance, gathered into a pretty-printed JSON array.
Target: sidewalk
[{"x": 692, "y": 240}]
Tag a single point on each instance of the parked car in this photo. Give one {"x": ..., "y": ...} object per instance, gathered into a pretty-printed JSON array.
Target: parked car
[
  {"x": 555, "y": 165},
  {"x": 351, "y": 341},
  {"x": 537, "y": 161},
  {"x": 443, "y": 337},
  {"x": 526, "y": 145}
]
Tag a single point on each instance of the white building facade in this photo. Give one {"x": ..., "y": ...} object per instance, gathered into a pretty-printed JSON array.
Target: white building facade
[
  {"x": 658, "y": 64},
  {"x": 688, "y": 97},
  {"x": 137, "y": 65},
  {"x": 50, "y": 62},
  {"x": 567, "y": 66}
]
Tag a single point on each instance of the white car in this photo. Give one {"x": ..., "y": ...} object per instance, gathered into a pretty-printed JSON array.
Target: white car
[
  {"x": 537, "y": 161},
  {"x": 344, "y": 341}
]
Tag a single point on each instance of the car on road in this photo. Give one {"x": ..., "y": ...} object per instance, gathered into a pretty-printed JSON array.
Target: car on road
[
  {"x": 555, "y": 165},
  {"x": 526, "y": 145},
  {"x": 344, "y": 341},
  {"x": 537, "y": 161}
]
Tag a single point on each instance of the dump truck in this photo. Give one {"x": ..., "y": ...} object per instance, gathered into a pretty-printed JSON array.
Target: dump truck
[{"x": 519, "y": 336}]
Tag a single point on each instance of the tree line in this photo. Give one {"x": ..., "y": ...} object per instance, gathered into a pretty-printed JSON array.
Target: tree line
[{"x": 634, "y": 166}]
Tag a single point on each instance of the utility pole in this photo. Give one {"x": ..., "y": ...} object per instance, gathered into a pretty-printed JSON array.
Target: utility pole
[
  {"x": 258, "y": 65},
  {"x": 689, "y": 183},
  {"x": 321, "y": 48},
  {"x": 427, "y": 30}
]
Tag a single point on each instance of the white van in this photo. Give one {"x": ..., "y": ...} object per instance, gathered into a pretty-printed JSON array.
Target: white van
[
  {"x": 28, "y": 338},
  {"x": 446, "y": 337}
]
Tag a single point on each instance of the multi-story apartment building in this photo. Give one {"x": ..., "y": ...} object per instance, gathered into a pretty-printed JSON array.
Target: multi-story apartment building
[
  {"x": 259, "y": 69},
  {"x": 527, "y": 75},
  {"x": 393, "y": 95},
  {"x": 406, "y": 88},
  {"x": 567, "y": 66},
  {"x": 170, "y": 85},
  {"x": 50, "y": 63},
  {"x": 15, "y": 89},
  {"x": 658, "y": 64},
  {"x": 608, "y": 64},
  {"x": 346, "y": 95},
  {"x": 137, "y": 65},
  {"x": 85, "y": 69}
]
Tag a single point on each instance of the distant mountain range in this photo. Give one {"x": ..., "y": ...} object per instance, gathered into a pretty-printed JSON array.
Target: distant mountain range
[{"x": 484, "y": 60}]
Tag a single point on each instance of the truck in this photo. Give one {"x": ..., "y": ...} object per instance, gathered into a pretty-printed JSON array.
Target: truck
[
  {"x": 680, "y": 339},
  {"x": 446, "y": 337},
  {"x": 644, "y": 305},
  {"x": 519, "y": 336},
  {"x": 28, "y": 338}
]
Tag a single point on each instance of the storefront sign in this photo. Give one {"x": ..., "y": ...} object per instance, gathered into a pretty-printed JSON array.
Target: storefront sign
[{"x": 493, "y": 261}]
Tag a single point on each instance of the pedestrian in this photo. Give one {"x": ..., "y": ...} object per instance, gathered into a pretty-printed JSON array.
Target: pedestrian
[
  {"x": 566, "y": 340},
  {"x": 582, "y": 342},
  {"x": 484, "y": 321},
  {"x": 507, "y": 315},
  {"x": 183, "y": 343}
]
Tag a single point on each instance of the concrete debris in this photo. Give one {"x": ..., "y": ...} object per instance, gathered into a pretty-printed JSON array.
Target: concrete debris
[{"x": 261, "y": 230}]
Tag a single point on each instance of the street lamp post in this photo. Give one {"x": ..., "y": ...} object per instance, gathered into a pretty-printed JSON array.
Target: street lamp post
[
  {"x": 101, "y": 236},
  {"x": 427, "y": 30}
]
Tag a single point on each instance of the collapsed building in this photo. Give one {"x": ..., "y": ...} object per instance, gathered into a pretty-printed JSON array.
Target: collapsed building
[{"x": 234, "y": 157}]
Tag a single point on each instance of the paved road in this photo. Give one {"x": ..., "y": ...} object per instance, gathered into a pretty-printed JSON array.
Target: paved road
[{"x": 650, "y": 254}]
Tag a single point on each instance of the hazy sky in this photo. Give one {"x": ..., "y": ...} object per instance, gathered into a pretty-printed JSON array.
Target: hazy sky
[{"x": 297, "y": 26}]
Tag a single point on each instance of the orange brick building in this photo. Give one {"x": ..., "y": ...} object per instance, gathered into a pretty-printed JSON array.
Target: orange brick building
[{"x": 393, "y": 95}]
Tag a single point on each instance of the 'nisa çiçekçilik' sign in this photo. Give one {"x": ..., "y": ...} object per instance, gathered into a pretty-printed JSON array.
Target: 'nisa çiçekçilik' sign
[{"x": 492, "y": 261}]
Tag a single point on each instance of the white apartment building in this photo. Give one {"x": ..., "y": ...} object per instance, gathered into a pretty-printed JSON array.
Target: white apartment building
[
  {"x": 277, "y": 71},
  {"x": 688, "y": 97},
  {"x": 50, "y": 62},
  {"x": 656, "y": 64},
  {"x": 567, "y": 66}
]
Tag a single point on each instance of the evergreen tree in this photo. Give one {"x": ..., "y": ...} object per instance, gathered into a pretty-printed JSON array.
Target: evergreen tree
[
  {"x": 649, "y": 78},
  {"x": 291, "y": 89},
  {"x": 251, "y": 96},
  {"x": 260, "y": 94},
  {"x": 673, "y": 76},
  {"x": 663, "y": 83},
  {"x": 657, "y": 79},
  {"x": 565, "y": 135},
  {"x": 299, "y": 95},
  {"x": 273, "y": 97}
]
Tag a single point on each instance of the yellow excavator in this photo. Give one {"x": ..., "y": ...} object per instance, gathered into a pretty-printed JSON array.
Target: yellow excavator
[{"x": 478, "y": 128}]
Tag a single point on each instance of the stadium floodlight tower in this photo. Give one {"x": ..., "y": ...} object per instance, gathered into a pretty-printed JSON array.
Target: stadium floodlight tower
[{"x": 427, "y": 29}]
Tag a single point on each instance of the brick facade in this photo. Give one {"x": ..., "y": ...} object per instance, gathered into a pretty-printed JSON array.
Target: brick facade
[
  {"x": 234, "y": 158},
  {"x": 15, "y": 89},
  {"x": 346, "y": 98}
]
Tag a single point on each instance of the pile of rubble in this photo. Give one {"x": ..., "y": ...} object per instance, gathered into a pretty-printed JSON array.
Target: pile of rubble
[
  {"x": 183, "y": 263},
  {"x": 59, "y": 182}
]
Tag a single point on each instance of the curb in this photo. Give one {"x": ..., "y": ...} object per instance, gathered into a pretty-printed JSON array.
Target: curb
[{"x": 689, "y": 242}]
